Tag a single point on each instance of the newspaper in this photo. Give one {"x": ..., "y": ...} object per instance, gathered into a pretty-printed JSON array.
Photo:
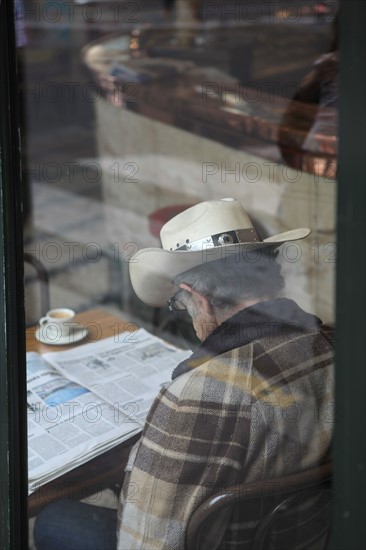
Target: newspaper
[{"x": 84, "y": 401}]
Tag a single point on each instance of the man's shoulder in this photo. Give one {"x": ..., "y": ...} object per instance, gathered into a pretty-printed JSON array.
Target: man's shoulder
[
  {"x": 209, "y": 379},
  {"x": 273, "y": 358},
  {"x": 292, "y": 338}
]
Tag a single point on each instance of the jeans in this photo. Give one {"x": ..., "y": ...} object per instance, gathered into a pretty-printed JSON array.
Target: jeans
[{"x": 69, "y": 525}]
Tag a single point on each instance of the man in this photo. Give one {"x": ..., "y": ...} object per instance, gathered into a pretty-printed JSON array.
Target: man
[{"x": 253, "y": 400}]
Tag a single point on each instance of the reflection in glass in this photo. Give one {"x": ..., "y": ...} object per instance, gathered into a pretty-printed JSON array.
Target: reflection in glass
[{"x": 136, "y": 111}]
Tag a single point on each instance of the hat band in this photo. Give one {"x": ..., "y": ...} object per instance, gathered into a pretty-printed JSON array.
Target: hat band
[{"x": 236, "y": 236}]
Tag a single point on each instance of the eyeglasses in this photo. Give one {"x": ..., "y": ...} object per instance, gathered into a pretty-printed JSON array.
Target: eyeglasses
[
  {"x": 183, "y": 319},
  {"x": 178, "y": 308}
]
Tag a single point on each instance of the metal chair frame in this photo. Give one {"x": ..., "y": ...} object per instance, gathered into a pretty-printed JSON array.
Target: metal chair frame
[
  {"x": 291, "y": 487},
  {"x": 42, "y": 276}
]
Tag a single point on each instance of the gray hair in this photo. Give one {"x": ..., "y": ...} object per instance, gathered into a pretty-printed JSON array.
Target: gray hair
[{"x": 229, "y": 283}]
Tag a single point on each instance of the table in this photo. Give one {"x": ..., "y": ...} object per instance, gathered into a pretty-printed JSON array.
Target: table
[{"x": 105, "y": 470}]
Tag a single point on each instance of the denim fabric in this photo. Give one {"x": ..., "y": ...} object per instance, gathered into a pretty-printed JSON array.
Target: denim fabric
[{"x": 75, "y": 526}]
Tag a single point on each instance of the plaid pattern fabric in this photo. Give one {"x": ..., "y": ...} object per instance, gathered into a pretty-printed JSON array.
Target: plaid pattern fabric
[{"x": 261, "y": 410}]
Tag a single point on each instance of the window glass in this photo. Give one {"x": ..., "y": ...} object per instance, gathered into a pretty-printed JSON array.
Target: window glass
[{"x": 135, "y": 111}]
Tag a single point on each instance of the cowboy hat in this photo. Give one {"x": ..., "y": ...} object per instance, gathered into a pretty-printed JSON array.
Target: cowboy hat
[{"x": 208, "y": 231}]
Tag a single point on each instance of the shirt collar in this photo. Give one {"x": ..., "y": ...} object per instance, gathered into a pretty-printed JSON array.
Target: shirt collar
[{"x": 262, "y": 320}]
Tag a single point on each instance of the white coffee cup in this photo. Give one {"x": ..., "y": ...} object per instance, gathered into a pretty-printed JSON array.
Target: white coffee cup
[{"x": 57, "y": 323}]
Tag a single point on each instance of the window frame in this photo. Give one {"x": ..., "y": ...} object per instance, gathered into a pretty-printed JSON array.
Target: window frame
[
  {"x": 13, "y": 434},
  {"x": 349, "y": 446}
]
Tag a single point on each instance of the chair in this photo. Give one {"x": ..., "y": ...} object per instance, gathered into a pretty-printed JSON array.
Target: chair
[
  {"x": 275, "y": 497},
  {"x": 43, "y": 279}
]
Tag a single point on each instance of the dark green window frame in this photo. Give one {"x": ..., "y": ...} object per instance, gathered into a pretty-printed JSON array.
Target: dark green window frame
[
  {"x": 13, "y": 442},
  {"x": 349, "y": 447}
]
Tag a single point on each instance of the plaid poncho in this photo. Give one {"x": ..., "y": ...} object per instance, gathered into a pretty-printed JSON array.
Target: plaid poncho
[{"x": 255, "y": 401}]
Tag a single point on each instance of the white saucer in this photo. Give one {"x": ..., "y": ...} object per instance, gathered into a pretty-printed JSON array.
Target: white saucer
[{"x": 76, "y": 334}]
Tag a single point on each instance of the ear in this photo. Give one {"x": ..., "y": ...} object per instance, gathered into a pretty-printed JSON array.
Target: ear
[{"x": 202, "y": 301}]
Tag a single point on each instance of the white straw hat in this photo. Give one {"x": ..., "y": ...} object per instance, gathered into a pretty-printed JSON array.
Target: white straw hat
[{"x": 208, "y": 231}]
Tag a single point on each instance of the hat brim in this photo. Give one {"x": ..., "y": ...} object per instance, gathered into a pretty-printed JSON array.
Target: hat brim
[{"x": 153, "y": 269}]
